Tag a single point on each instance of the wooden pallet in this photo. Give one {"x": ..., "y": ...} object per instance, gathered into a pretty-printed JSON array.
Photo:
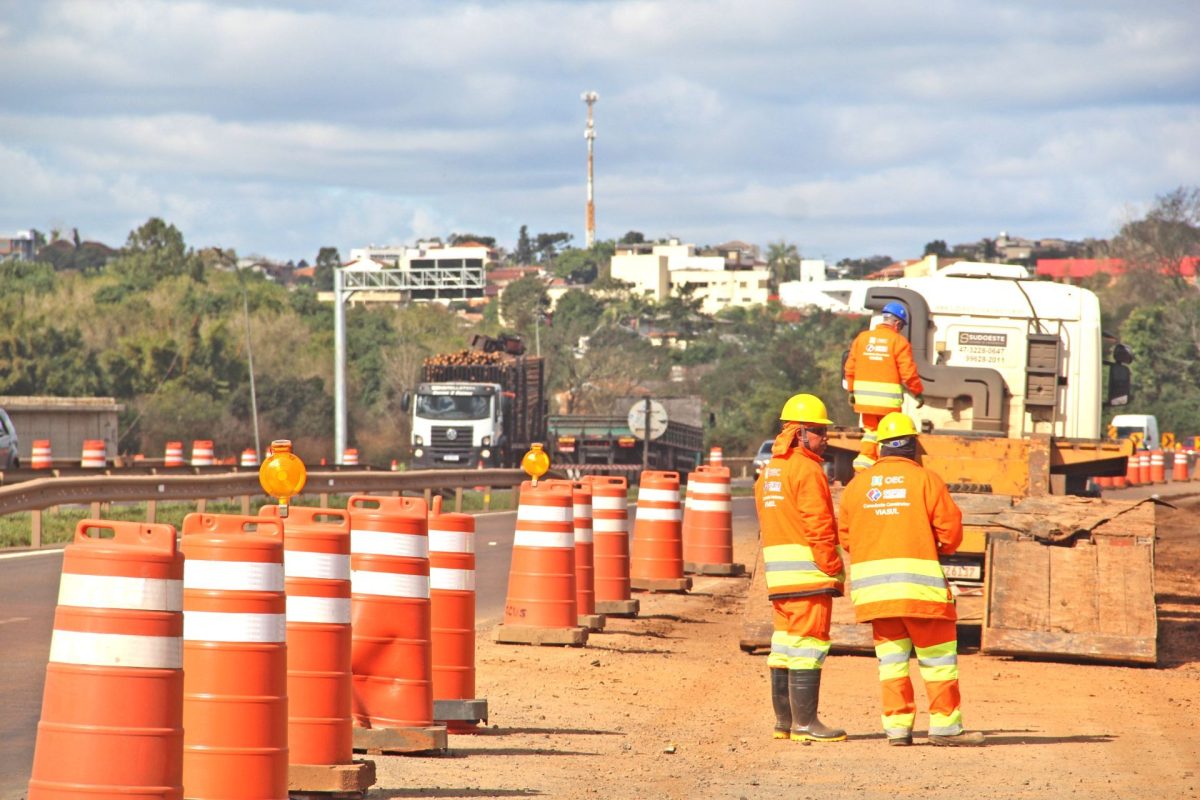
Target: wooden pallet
[
  {"x": 719, "y": 570},
  {"x": 677, "y": 585},
  {"x": 330, "y": 781},
  {"x": 429, "y": 740},
  {"x": 526, "y": 634},
  {"x": 619, "y": 608}
]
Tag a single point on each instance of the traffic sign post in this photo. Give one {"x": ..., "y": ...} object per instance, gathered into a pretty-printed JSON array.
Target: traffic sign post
[{"x": 647, "y": 420}]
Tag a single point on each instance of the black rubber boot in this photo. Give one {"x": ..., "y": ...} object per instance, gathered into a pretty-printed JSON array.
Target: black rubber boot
[
  {"x": 779, "y": 700},
  {"x": 804, "y": 692}
]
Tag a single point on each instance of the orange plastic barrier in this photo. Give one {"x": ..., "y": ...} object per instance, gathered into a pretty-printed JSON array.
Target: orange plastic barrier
[
  {"x": 40, "y": 456},
  {"x": 173, "y": 456},
  {"x": 350, "y": 457},
  {"x": 249, "y": 457},
  {"x": 716, "y": 458},
  {"x": 112, "y": 721},
  {"x": 1143, "y": 467},
  {"x": 585, "y": 559},
  {"x": 657, "y": 552},
  {"x": 1179, "y": 466},
  {"x": 202, "y": 453},
  {"x": 235, "y": 706},
  {"x": 452, "y": 601},
  {"x": 708, "y": 518},
  {"x": 316, "y": 571},
  {"x": 1158, "y": 472},
  {"x": 610, "y": 532},
  {"x": 389, "y": 611},
  {"x": 1132, "y": 473},
  {"x": 541, "y": 580},
  {"x": 93, "y": 455}
]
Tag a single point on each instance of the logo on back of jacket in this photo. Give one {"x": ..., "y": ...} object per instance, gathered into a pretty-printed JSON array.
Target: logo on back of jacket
[
  {"x": 887, "y": 495},
  {"x": 876, "y": 347},
  {"x": 772, "y": 492}
]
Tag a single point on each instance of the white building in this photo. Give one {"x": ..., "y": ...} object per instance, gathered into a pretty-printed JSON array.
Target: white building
[
  {"x": 840, "y": 296},
  {"x": 660, "y": 269}
]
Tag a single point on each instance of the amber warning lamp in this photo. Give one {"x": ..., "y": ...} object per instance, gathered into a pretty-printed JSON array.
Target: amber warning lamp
[
  {"x": 535, "y": 463},
  {"x": 282, "y": 475}
]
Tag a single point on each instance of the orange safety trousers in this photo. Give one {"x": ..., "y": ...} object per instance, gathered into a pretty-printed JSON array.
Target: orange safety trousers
[
  {"x": 868, "y": 449},
  {"x": 935, "y": 641},
  {"x": 800, "y": 639}
]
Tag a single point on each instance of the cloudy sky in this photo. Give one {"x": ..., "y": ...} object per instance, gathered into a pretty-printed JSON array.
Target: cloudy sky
[{"x": 849, "y": 128}]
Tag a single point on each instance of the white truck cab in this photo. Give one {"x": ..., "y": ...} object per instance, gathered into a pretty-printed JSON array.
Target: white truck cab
[
  {"x": 1143, "y": 427},
  {"x": 456, "y": 424}
]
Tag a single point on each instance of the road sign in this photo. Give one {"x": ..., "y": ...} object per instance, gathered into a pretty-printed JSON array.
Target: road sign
[{"x": 658, "y": 419}]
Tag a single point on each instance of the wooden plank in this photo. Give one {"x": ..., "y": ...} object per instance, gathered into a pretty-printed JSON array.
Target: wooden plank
[
  {"x": 756, "y": 619},
  {"x": 1086, "y": 647},
  {"x": 1019, "y": 585},
  {"x": 525, "y": 634},
  {"x": 1073, "y": 589},
  {"x": 356, "y": 777},
  {"x": 1125, "y": 589}
]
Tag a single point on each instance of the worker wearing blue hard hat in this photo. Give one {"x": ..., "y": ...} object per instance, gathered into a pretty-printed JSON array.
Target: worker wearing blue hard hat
[{"x": 879, "y": 367}]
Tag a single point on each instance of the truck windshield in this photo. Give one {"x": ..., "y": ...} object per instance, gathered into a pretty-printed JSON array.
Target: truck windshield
[
  {"x": 1123, "y": 431},
  {"x": 445, "y": 406}
]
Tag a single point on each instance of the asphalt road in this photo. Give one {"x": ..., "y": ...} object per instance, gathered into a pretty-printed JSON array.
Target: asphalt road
[{"x": 29, "y": 593}]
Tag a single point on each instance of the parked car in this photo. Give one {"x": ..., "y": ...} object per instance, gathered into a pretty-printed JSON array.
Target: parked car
[
  {"x": 10, "y": 447},
  {"x": 762, "y": 456}
]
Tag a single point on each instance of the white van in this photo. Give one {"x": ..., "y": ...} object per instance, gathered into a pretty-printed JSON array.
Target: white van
[{"x": 1145, "y": 425}]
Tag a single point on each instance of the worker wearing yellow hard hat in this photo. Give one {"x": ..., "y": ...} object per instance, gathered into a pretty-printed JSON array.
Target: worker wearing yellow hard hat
[
  {"x": 802, "y": 567},
  {"x": 895, "y": 519}
]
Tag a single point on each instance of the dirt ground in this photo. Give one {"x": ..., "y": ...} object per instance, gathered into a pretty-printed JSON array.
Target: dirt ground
[{"x": 667, "y": 706}]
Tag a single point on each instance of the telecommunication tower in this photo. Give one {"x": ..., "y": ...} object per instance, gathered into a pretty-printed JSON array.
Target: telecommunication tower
[{"x": 590, "y": 134}]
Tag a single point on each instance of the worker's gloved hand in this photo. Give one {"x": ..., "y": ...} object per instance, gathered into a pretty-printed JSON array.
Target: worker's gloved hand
[{"x": 920, "y": 400}]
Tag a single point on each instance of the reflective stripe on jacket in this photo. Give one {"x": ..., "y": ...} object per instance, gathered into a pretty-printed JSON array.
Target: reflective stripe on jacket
[
  {"x": 880, "y": 364},
  {"x": 799, "y": 533},
  {"x": 895, "y": 518}
]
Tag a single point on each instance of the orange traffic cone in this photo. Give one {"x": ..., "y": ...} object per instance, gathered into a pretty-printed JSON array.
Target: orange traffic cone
[
  {"x": 610, "y": 532},
  {"x": 235, "y": 706},
  {"x": 708, "y": 524},
  {"x": 452, "y": 601},
  {"x": 316, "y": 568},
  {"x": 1158, "y": 472},
  {"x": 112, "y": 711},
  {"x": 656, "y": 559},
  {"x": 541, "y": 607},
  {"x": 350, "y": 457},
  {"x": 39, "y": 456},
  {"x": 390, "y": 618},
  {"x": 716, "y": 457},
  {"x": 1179, "y": 466},
  {"x": 249, "y": 458}
]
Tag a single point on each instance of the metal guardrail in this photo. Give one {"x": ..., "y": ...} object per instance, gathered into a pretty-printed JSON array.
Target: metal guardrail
[{"x": 40, "y": 494}]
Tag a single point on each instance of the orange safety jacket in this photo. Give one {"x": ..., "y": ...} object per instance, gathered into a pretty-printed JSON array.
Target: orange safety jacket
[
  {"x": 799, "y": 532},
  {"x": 880, "y": 360},
  {"x": 895, "y": 518}
]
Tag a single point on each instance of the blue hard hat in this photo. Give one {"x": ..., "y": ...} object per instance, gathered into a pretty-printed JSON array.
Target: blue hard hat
[{"x": 897, "y": 310}]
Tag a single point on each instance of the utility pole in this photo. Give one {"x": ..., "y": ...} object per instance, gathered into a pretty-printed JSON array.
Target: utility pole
[
  {"x": 590, "y": 134},
  {"x": 646, "y": 438},
  {"x": 339, "y": 365}
]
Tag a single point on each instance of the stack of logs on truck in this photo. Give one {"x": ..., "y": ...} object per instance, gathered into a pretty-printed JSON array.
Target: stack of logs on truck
[{"x": 605, "y": 443}]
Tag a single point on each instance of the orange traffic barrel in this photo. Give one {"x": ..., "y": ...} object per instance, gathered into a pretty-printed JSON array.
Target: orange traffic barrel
[
  {"x": 452, "y": 603},
  {"x": 316, "y": 572},
  {"x": 112, "y": 710},
  {"x": 249, "y": 457},
  {"x": 40, "y": 456},
  {"x": 656, "y": 558},
  {"x": 1132, "y": 473},
  {"x": 585, "y": 558},
  {"x": 173, "y": 455},
  {"x": 1158, "y": 471},
  {"x": 202, "y": 453},
  {"x": 708, "y": 523},
  {"x": 235, "y": 706},
  {"x": 1143, "y": 467},
  {"x": 541, "y": 606},
  {"x": 93, "y": 455},
  {"x": 389, "y": 612},
  {"x": 350, "y": 457},
  {"x": 1179, "y": 466},
  {"x": 610, "y": 546},
  {"x": 716, "y": 457}
]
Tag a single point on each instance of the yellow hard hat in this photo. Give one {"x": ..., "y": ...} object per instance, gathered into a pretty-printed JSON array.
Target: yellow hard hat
[
  {"x": 805, "y": 408},
  {"x": 895, "y": 426}
]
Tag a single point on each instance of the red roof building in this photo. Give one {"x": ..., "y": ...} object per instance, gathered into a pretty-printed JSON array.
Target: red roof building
[{"x": 1073, "y": 270}]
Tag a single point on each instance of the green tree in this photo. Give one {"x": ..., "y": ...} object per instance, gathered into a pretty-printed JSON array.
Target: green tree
[
  {"x": 937, "y": 247},
  {"x": 464, "y": 238},
  {"x": 632, "y": 237},
  {"x": 153, "y": 252},
  {"x": 328, "y": 259},
  {"x": 783, "y": 259},
  {"x": 523, "y": 304},
  {"x": 523, "y": 253},
  {"x": 1155, "y": 247}
]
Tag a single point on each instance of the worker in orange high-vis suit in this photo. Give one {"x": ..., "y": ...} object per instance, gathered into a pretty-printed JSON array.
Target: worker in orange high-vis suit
[
  {"x": 802, "y": 567},
  {"x": 878, "y": 367},
  {"x": 895, "y": 519}
]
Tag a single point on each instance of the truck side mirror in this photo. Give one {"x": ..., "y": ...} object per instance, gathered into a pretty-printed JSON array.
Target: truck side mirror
[
  {"x": 405, "y": 401},
  {"x": 1119, "y": 385}
]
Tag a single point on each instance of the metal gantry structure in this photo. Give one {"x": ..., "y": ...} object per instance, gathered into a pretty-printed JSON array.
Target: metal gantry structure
[{"x": 439, "y": 283}]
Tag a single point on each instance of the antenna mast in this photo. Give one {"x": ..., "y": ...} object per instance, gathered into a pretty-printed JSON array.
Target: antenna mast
[{"x": 590, "y": 134}]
